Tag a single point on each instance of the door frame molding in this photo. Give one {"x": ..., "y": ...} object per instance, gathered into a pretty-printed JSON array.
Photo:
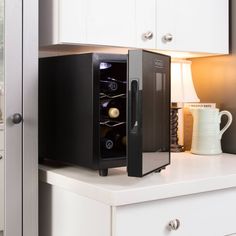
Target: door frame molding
[
  {"x": 21, "y": 88},
  {"x": 13, "y": 104},
  {"x": 30, "y": 113}
]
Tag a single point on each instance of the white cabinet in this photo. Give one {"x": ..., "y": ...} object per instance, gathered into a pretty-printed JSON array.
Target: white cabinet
[
  {"x": 173, "y": 25},
  {"x": 91, "y": 22},
  {"x": 193, "y": 26},
  {"x": 198, "y": 191},
  {"x": 65, "y": 213}
]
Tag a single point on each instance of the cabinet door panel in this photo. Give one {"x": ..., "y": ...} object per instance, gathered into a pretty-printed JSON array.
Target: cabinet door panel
[
  {"x": 12, "y": 91},
  {"x": 72, "y": 21},
  {"x": 64, "y": 213},
  {"x": 196, "y": 26},
  {"x": 146, "y": 22},
  {"x": 211, "y": 214},
  {"x": 111, "y": 22}
]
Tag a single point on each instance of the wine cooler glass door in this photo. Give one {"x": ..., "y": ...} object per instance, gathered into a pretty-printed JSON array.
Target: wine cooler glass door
[{"x": 148, "y": 112}]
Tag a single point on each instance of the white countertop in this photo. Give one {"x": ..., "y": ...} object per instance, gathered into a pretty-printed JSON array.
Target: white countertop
[{"x": 187, "y": 174}]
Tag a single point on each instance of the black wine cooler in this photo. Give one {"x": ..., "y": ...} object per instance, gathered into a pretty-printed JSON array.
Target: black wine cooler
[{"x": 103, "y": 111}]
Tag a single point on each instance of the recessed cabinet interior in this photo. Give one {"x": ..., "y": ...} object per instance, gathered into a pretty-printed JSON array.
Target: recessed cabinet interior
[
  {"x": 192, "y": 26},
  {"x": 175, "y": 25}
]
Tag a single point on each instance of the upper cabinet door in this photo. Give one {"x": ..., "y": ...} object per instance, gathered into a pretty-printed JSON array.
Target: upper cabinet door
[
  {"x": 146, "y": 24},
  {"x": 110, "y": 23},
  {"x": 193, "y": 25}
]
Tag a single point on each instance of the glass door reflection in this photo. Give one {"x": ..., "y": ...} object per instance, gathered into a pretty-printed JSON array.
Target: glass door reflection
[{"x": 1, "y": 117}]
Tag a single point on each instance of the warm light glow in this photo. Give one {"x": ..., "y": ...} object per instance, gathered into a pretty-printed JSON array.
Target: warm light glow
[{"x": 182, "y": 88}]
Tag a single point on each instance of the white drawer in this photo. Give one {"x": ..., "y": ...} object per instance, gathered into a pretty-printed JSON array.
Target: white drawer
[{"x": 207, "y": 214}]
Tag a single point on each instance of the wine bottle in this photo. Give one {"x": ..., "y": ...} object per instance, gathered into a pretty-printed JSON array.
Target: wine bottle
[
  {"x": 113, "y": 109},
  {"x": 107, "y": 144},
  {"x": 112, "y": 140},
  {"x": 111, "y": 86},
  {"x": 109, "y": 138},
  {"x": 108, "y": 87},
  {"x": 124, "y": 141},
  {"x": 113, "y": 112},
  {"x": 104, "y": 130}
]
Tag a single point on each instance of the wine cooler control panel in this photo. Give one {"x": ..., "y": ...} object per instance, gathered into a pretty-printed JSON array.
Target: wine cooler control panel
[{"x": 112, "y": 96}]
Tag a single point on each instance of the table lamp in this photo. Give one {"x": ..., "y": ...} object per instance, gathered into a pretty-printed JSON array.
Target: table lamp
[{"x": 182, "y": 91}]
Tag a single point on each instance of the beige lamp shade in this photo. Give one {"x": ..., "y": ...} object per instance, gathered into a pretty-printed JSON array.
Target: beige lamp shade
[{"x": 182, "y": 88}]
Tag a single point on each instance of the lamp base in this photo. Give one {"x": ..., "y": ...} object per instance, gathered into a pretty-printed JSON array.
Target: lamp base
[{"x": 176, "y": 148}]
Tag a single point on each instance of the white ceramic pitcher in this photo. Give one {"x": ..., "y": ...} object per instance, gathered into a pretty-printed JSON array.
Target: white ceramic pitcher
[{"x": 206, "y": 138}]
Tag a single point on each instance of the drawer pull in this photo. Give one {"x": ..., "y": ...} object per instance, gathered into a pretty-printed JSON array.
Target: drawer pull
[{"x": 174, "y": 224}]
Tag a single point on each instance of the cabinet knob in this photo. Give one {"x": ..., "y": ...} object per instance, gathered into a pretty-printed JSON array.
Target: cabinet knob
[
  {"x": 174, "y": 224},
  {"x": 148, "y": 35},
  {"x": 1, "y": 157},
  {"x": 16, "y": 118},
  {"x": 167, "y": 38}
]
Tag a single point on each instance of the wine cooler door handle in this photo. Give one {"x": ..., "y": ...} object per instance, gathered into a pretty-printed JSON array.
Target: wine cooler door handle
[{"x": 134, "y": 104}]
